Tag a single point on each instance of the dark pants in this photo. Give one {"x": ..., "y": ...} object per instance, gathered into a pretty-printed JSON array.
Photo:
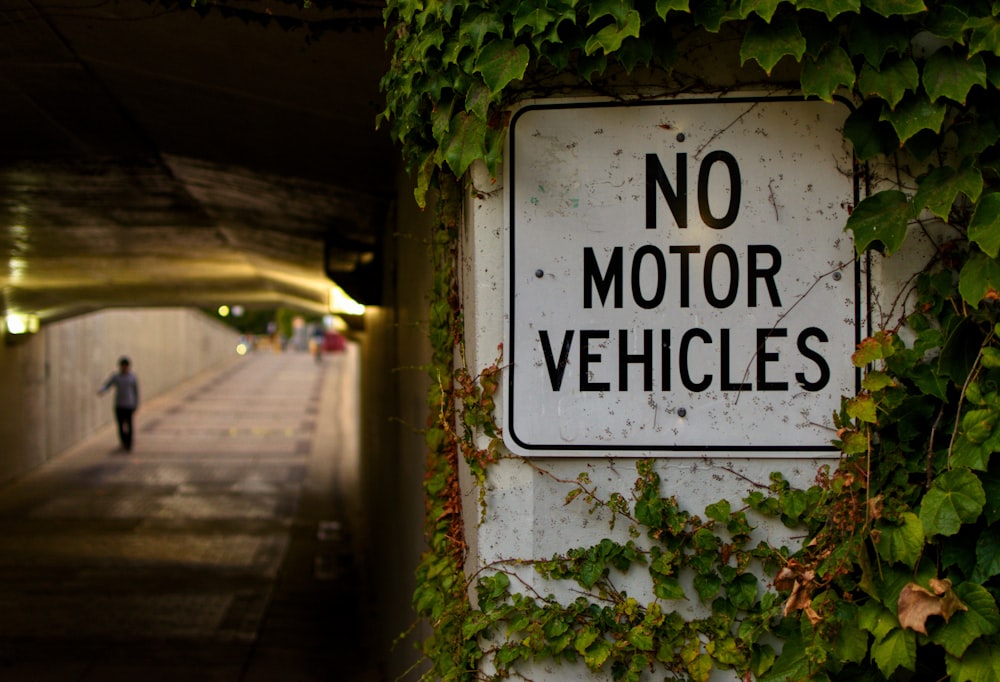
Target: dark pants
[{"x": 124, "y": 417}]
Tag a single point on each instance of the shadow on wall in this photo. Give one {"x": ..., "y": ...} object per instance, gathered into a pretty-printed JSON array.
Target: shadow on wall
[{"x": 47, "y": 382}]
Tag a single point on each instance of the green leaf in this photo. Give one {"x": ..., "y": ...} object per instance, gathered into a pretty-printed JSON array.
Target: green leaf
[
  {"x": 897, "y": 650},
  {"x": 465, "y": 142},
  {"x": 719, "y": 511},
  {"x": 617, "y": 9},
  {"x": 888, "y": 8},
  {"x": 948, "y": 75},
  {"x": 851, "y": 643},
  {"x": 876, "y": 619},
  {"x": 991, "y": 484},
  {"x": 768, "y": 43},
  {"x": 742, "y": 592},
  {"x": 587, "y": 636},
  {"x": 955, "y": 497},
  {"x": 667, "y": 588},
  {"x": 533, "y": 18},
  {"x": 876, "y": 381},
  {"x": 987, "y": 557},
  {"x": 764, "y": 9},
  {"x": 862, "y": 407},
  {"x": 641, "y": 638},
  {"x": 942, "y": 186},
  {"x": 913, "y": 114},
  {"x": 664, "y": 6},
  {"x": 711, "y": 14},
  {"x": 875, "y": 39},
  {"x": 985, "y": 35},
  {"x": 870, "y": 136},
  {"x": 947, "y": 21},
  {"x": 793, "y": 663},
  {"x": 474, "y": 30},
  {"x": 880, "y": 218},
  {"x": 597, "y": 653},
  {"x": 610, "y": 38},
  {"x": 979, "y": 279},
  {"x": 980, "y": 663},
  {"x": 822, "y": 76},
  {"x": 984, "y": 229},
  {"x": 891, "y": 82},
  {"x": 831, "y": 8},
  {"x": 903, "y": 542},
  {"x": 501, "y": 62},
  {"x": 707, "y": 586}
]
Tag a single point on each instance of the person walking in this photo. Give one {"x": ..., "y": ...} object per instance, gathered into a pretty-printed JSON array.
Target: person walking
[{"x": 126, "y": 399}]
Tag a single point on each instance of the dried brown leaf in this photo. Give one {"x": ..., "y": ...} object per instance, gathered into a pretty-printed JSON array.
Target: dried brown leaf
[{"x": 917, "y": 604}]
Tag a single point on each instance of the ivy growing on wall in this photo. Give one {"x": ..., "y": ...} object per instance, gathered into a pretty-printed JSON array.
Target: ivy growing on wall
[{"x": 897, "y": 575}]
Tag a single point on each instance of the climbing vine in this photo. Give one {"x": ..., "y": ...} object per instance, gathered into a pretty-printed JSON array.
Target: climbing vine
[{"x": 897, "y": 573}]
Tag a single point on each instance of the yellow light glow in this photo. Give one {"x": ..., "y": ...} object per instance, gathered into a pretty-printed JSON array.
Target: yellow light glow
[
  {"x": 342, "y": 304},
  {"x": 241, "y": 349},
  {"x": 21, "y": 323},
  {"x": 223, "y": 311}
]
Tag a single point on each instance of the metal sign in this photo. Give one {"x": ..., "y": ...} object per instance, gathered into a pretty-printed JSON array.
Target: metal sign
[{"x": 678, "y": 277}]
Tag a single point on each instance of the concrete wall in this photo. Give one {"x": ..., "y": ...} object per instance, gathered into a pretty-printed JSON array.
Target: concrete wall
[
  {"x": 395, "y": 350},
  {"x": 48, "y": 381}
]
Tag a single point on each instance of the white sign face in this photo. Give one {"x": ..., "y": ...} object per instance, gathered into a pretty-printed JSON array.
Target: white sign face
[{"x": 678, "y": 279}]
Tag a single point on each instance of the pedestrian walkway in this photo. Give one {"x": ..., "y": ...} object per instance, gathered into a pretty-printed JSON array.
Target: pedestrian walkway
[{"x": 219, "y": 549}]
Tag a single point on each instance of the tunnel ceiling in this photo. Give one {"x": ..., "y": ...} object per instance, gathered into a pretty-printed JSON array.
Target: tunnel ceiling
[{"x": 157, "y": 154}]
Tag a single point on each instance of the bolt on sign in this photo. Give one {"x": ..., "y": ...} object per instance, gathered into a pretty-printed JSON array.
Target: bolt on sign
[{"x": 678, "y": 277}]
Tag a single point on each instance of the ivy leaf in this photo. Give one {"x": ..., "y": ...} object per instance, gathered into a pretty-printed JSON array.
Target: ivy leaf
[
  {"x": 501, "y": 62},
  {"x": 984, "y": 229},
  {"x": 533, "y": 18},
  {"x": 610, "y": 38},
  {"x": 991, "y": 484},
  {"x": 465, "y": 142},
  {"x": 711, "y": 14},
  {"x": 742, "y": 591},
  {"x": 617, "y": 9},
  {"x": 597, "y": 653},
  {"x": 891, "y": 81},
  {"x": 985, "y": 35},
  {"x": 707, "y": 586},
  {"x": 880, "y": 218},
  {"x": 641, "y": 638},
  {"x": 869, "y": 136},
  {"x": 831, "y": 8},
  {"x": 874, "y": 40},
  {"x": 664, "y": 6},
  {"x": 768, "y": 43},
  {"x": 948, "y": 75},
  {"x": 862, "y": 407},
  {"x": 474, "y": 31},
  {"x": 903, "y": 542},
  {"x": 477, "y": 100},
  {"x": 942, "y": 185},
  {"x": 913, "y": 114},
  {"x": 897, "y": 650},
  {"x": 979, "y": 663},
  {"x": 947, "y": 21},
  {"x": 793, "y": 663},
  {"x": 987, "y": 557},
  {"x": 876, "y": 381},
  {"x": 888, "y": 8},
  {"x": 979, "y": 279},
  {"x": 827, "y": 72},
  {"x": 667, "y": 587},
  {"x": 917, "y": 604},
  {"x": 762, "y": 8},
  {"x": 955, "y": 497}
]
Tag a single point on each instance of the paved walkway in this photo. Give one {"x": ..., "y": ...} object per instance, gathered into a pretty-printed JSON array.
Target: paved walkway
[{"x": 217, "y": 550}]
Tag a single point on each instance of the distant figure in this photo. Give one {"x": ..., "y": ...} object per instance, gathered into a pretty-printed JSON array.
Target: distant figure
[{"x": 126, "y": 399}]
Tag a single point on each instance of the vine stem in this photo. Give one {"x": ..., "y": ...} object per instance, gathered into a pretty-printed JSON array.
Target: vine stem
[{"x": 961, "y": 398}]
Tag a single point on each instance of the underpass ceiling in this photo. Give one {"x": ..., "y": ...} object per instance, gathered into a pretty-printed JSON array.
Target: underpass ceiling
[{"x": 155, "y": 154}]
